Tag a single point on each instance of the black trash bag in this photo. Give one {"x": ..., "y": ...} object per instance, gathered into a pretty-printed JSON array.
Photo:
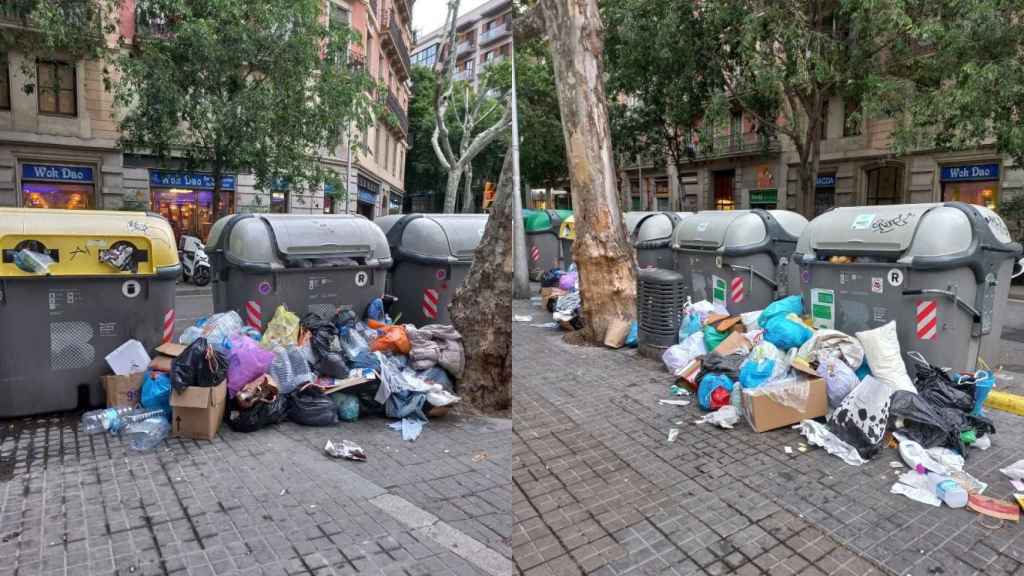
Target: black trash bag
[
  {"x": 550, "y": 278},
  {"x": 862, "y": 418},
  {"x": 199, "y": 365},
  {"x": 309, "y": 406},
  {"x": 324, "y": 335},
  {"x": 934, "y": 385},
  {"x": 717, "y": 363},
  {"x": 345, "y": 317},
  {"x": 930, "y": 424},
  {"x": 257, "y": 417}
]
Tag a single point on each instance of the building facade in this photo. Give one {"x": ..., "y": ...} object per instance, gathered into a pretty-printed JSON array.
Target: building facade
[
  {"x": 745, "y": 167},
  {"x": 483, "y": 37},
  {"x": 59, "y": 143}
]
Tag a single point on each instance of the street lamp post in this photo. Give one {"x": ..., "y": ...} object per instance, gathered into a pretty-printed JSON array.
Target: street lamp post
[{"x": 520, "y": 275}]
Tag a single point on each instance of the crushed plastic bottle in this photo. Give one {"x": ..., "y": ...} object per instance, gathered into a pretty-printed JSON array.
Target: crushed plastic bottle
[
  {"x": 147, "y": 434},
  {"x": 219, "y": 329},
  {"x": 301, "y": 374},
  {"x": 116, "y": 419},
  {"x": 33, "y": 262},
  {"x": 281, "y": 370},
  {"x": 190, "y": 335}
]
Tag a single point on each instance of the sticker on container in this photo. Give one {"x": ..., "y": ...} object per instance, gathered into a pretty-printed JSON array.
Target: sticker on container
[
  {"x": 362, "y": 278},
  {"x": 862, "y": 222},
  {"x": 805, "y": 276},
  {"x": 895, "y": 277},
  {"x": 130, "y": 289},
  {"x": 823, "y": 308},
  {"x": 169, "y": 318},
  {"x": 927, "y": 319},
  {"x": 254, "y": 315},
  {"x": 441, "y": 275},
  {"x": 718, "y": 290},
  {"x": 430, "y": 299},
  {"x": 877, "y": 284},
  {"x": 702, "y": 226},
  {"x": 880, "y": 314},
  {"x": 263, "y": 288},
  {"x": 107, "y": 328}
]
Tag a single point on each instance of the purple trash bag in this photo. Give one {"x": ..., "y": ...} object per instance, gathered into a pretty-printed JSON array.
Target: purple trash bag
[
  {"x": 567, "y": 282},
  {"x": 247, "y": 361}
]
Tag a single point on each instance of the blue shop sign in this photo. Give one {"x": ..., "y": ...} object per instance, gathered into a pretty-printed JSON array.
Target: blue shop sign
[
  {"x": 53, "y": 173},
  {"x": 828, "y": 181},
  {"x": 188, "y": 180},
  {"x": 367, "y": 197},
  {"x": 969, "y": 172}
]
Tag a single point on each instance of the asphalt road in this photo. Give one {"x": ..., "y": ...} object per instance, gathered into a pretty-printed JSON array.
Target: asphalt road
[{"x": 191, "y": 304}]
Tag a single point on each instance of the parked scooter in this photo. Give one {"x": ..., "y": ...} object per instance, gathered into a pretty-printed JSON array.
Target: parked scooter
[{"x": 195, "y": 264}]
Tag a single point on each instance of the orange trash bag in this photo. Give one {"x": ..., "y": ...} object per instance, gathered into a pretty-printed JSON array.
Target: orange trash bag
[{"x": 392, "y": 339}]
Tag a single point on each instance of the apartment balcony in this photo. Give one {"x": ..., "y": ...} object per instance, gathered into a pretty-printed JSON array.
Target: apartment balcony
[
  {"x": 734, "y": 145},
  {"x": 356, "y": 61},
  {"x": 395, "y": 46},
  {"x": 463, "y": 75},
  {"x": 492, "y": 61},
  {"x": 464, "y": 48},
  {"x": 404, "y": 8},
  {"x": 494, "y": 34},
  {"x": 395, "y": 107}
]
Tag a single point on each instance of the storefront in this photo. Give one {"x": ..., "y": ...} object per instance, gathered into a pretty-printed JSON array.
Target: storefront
[
  {"x": 765, "y": 195},
  {"x": 186, "y": 200},
  {"x": 971, "y": 183},
  {"x": 279, "y": 192},
  {"x": 63, "y": 186},
  {"x": 395, "y": 202},
  {"x": 824, "y": 193},
  {"x": 366, "y": 201}
]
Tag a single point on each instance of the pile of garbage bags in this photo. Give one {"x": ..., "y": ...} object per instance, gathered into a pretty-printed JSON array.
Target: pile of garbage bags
[{"x": 560, "y": 290}]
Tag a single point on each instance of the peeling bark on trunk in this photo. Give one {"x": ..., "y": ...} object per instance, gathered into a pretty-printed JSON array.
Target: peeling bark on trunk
[
  {"x": 482, "y": 308},
  {"x": 601, "y": 250},
  {"x": 467, "y": 191}
]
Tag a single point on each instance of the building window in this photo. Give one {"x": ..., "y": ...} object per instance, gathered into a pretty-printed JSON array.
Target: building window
[
  {"x": 851, "y": 124},
  {"x": 5, "y": 84},
  {"x": 724, "y": 187},
  {"x": 885, "y": 185},
  {"x": 57, "y": 94},
  {"x": 339, "y": 16}
]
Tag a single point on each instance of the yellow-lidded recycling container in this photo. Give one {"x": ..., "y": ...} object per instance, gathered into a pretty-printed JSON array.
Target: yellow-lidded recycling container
[{"x": 110, "y": 278}]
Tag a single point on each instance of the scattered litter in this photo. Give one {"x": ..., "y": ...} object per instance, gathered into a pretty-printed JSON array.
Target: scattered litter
[
  {"x": 409, "y": 427},
  {"x": 677, "y": 391},
  {"x": 347, "y": 450},
  {"x": 802, "y": 447},
  {"x": 521, "y": 318},
  {"x": 1018, "y": 485},
  {"x": 480, "y": 457},
  {"x": 895, "y": 464},
  {"x": 983, "y": 443},
  {"x": 819, "y": 435},
  {"x": 915, "y": 486},
  {"x": 546, "y": 325},
  {"x": 674, "y": 402},
  {"x": 725, "y": 417},
  {"x": 285, "y": 490},
  {"x": 994, "y": 508},
  {"x": 1014, "y": 471},
  {"x": 673, "y": 433},
  {"x": 787, "y": 449}
]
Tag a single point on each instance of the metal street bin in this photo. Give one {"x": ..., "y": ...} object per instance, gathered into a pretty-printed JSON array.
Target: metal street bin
[
  {"x": 941, "y": 271},
  {"x": 566, "y": 236},
  {"x": 542, "y": 242},
  {"x": 660, "y": 297},
  {"x": 737, "y": 258},
  {"x": 56, "y": 329},
  {"x": 308, "y": 263},
  {"x": 652, "y": 239},
  {"x": 432, "y": 255}
]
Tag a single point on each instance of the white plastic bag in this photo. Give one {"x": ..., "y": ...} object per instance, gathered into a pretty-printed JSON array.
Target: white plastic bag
[
  {"x": 1014, "y": 471},
  {"x": 840, "y": 379},
  {"x": 725, "y": 417},
  {"x": 832, "y": 343},
  {"x": 882, "y": 350},
  {"x": 676, "y": 357},
  {"x": 915, "y": 486},
  {"x": 818, "y": 435},
  {"x": 749, "y": 320},
  {"x": 914, "y": 454}
]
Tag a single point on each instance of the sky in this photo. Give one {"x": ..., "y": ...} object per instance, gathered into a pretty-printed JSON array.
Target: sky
[{"x": 428, "y": 15}]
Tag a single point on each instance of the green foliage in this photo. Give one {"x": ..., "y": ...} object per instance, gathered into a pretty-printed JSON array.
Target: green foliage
[
  {"x": 1012, "y": 211},
  {"x": 233, "y": 85}
]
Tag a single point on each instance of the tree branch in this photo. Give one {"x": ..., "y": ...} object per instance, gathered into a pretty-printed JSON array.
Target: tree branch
[
  {"x": 530, "y": 24},
  {"x": 487, "y": 136}
]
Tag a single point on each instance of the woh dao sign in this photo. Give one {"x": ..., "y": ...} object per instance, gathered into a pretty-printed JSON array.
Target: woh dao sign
[{"x": 54, "y": 173}]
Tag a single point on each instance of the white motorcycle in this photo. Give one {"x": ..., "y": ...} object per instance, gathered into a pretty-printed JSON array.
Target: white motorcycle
[{"x": 195, "y": 264}]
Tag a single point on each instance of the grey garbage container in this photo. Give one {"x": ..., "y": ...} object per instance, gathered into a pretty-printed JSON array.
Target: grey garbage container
[
  {"x": 737, "y": 258},
  {"x": 543, "y": 249},
  {"x": 308, "y": 263},
  {"x": 941, "y": 271},
  {"x": 56, "y": 329},
  {"x": 432, "y": 255},
  {"x": 632, "y": 219},
  {"x": 652, "y": 239}
]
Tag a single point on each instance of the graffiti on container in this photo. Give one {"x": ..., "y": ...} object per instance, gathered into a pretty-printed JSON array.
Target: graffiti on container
[
  {"x": 137, "y": 226},
  {"x": 78, "y": 250},
  {"x": 886, "y": 226}
]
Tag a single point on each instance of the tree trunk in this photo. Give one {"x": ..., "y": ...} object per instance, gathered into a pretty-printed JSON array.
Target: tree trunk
[
  {"x": 467, "y": 193},
  {"x": 521, "y": 274},
  {"x": 451, "y": 191},
  {"x": 482, "y": 308},
  {"x": 601, "y": 250}
]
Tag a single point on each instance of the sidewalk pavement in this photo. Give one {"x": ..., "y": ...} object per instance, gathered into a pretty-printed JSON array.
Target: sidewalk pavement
[
  {"x": 599, "y": 490},
  {"x": 269, "y": 502}
]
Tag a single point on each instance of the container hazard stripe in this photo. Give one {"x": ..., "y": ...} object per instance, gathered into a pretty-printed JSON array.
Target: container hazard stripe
[
  {"x": 169, "y": 318},
  {"x": 534, "y": 253},
  {"x": 736, "y": 288},
  {"x": 927, "y": 320},
  {"x": 430, "y": 300},
  {"x": 253, "y": 315}
]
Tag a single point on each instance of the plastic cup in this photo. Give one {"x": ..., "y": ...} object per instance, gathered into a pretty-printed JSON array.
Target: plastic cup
[{"x": 983, "y": 383}]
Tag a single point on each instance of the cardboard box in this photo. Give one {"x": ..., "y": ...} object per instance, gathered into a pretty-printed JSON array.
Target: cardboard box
[
  {"x": 123, "y": 390},
  {"x": 688, "y": 375},
  {"x": 197, "y": 412},
  {"x": 766, "y": 413},
  {"x": 549, "y": 294},
  {"x": 618, "y": 331},
  {"x": 735, "y": 342},
  {"x": 166, "y": 355}
]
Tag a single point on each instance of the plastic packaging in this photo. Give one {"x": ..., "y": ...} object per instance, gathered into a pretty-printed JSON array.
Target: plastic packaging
[
  {"x": 708, "y": 385},
  {"x": 33, "y": 262},
  {"x": 352, "y": 343},
  {"x": 676, "y": 357},
  {"x": 220, "y": 328},
  {"x": 311, "y": 407},
  {"x": 393, "y": 339},
  {"x": 725, "y": 417},
  {"x": 147, "y": 434},
  {"x": 736, "y": 398},
  {"x": 282, "y": 330},
  {"x": 189, "y": 335},
  {"x": 950, "y": 492},
  {"x": 116, "y": 419},
  {"x": 860, "y": 420},
  {"x": 782, "y": 308},
  {"x": 281, "y": 370},
  {"x": 246, "y": 361},
  {"x": 156, "y": 392},
  {"x": 348, "y": 406},
  {"x": 301, "y": 373}
]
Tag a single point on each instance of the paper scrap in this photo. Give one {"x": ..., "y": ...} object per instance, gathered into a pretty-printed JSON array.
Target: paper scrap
[
  {"x": 674, "y": 402},
  {"x": 521, "y": 318},
  {"x": 787, "y": 449},
  {"x": 995, "y": 508},
  {"x": 895, "y": 464},
  {"x": 348, "y": 450},
  {"x": 802, "y": 448},
  {"x": 673, "y": 433}
]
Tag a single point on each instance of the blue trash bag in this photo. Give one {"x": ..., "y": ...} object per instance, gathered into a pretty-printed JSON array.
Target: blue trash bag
[
  {"x": 375, "y": 311},
  {"x": 864, "y": 371},
  {"x": 689, "y": 325},
  {"x": 156, "y": 392},
  {"x": 781, "y": 308},
  {"x": 634, "y": 333},
  {"x": 708, "y": 384},
  {"x": 754, "y": 373},
  {"x": 785, "y": 333},
  {"x": 348, "y": 406}
]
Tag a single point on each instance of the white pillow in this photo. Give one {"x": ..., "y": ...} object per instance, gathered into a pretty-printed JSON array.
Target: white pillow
[{"x": 882, "y": 350}]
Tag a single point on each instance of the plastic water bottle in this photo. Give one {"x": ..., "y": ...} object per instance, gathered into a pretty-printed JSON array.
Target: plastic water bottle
[
  {"x": 948, "y": 490},
  {"x": 103, "y": 420},
  {"x": 281, "y": 370},
  {"x": 147, "y": 434},
  {"x": 301, "y": 373},
  {"x": 736, "y": 398}
]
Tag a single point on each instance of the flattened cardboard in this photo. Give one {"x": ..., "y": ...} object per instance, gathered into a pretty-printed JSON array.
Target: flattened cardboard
[
  {"x": 715, "y": 319},
  {"x": 764, "y": 413},
  {"x": 727, "y": 324},
  {"x": 618, "y": 331},
  {"x": 197, "y": 412},
  {"x": 733, "y": 343},
  {"x": 688, "y": 375},
  {"x": 166, "y": 355},
  {"x": 123, "y": 390}
]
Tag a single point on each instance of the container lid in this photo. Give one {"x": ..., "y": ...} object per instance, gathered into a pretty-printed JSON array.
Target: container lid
[
  {"x": 434, "y": 237},
  {"x": 632, "y": 219},
  {"x": 903, "y": 230},
  {"x": 737, "y": 230},
  {"x": 655, "y": 229},
  {"x": 280, "y": 240},
  {"x": 536, "y": 220},
  {"x": 75, "y": 238},
  {"x": 567, "y": 229}
]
